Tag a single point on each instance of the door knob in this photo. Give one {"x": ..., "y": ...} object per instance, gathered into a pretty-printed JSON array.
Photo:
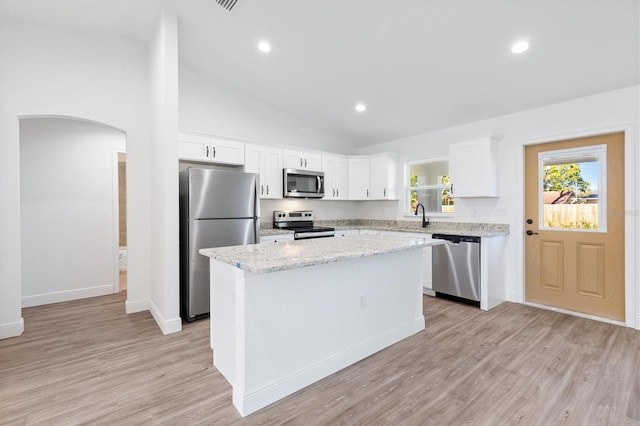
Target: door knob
[
  {"x": 530, "y": 232},
  {"x": 529, "y": 221}
]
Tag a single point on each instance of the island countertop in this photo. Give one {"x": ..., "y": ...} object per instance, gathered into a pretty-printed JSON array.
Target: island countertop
[{"x": 258, "y": 258}]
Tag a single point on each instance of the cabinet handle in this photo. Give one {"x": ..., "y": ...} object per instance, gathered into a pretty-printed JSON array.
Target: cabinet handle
[
  {"x": 384, "y": 192},
  {"x": 337, "y": 192},
  {"x": 261, "y": 190},
  {"x": 214, "y": 152},
  {"x": 334, "y": 192},
  {"x": 207, "y": 150},
  {"x": 300, "y": 161},
  {"x": 305, "y": 163},
  {"x": 451, "y": 190},
  {"x": 367, "y": 193},
  {"x": 267, "y": 189}
]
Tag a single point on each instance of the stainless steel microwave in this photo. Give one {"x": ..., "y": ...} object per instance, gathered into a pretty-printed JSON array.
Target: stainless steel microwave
[{"x": 303, "y": 184}]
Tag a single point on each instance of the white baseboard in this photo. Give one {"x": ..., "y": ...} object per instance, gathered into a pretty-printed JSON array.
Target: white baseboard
[
  {"x": 12, "y": 330},
  {"x": 250, "y": 402},
  {"x": 65, "y": 296},
  {"x": 173, "y": 325},
  {"x": 133, "y": 306},
  {"x": 428, "y": 292}
]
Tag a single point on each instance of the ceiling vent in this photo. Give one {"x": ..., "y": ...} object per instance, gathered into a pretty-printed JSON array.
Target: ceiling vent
[{"x": 228, "y": 4}]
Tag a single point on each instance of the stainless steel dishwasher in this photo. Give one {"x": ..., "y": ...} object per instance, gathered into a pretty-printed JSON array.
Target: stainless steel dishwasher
[{"x": 456, "y": 268}]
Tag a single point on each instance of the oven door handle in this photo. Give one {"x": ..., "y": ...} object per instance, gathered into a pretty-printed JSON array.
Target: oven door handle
[
  {"x": 319, "y": 184},
  {"x": 307, "y": 235}
]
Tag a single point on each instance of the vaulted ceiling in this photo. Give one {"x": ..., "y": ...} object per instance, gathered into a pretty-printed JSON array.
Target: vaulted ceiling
[{"x": 418, "y": 65}]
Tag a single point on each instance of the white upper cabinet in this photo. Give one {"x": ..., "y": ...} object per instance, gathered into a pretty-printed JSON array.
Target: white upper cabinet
[
  {"x": 373, "y": 177},
  {"x": 266, "y": 161},
  {"x": 384, "y": 170},
  {"x": 359, "y": 178},
  {"x": 336, "y": 177},
  {"x": 210, "y": 149},
  {"x": 302, "y": 160},
  {"x": 473, "y": 167}
]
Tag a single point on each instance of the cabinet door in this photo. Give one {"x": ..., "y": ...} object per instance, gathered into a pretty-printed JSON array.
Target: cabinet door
[
  {"x": 336, "y": 179},
  {"x": 312, "y": 161},
  {"x": 302, "y": 160},
  {"x": 359, "y": 178},
  {"x": 271, "y": 172},
  {"x": 253, "y": 158},
  {"x": 341, "y": 179},
  {"x": 427, "y": 270},
  {"x": 473, "y": 168},
  {"x": 379, "y": 178},
  {"x": 292, "y": 159},
  {"x": 193, "y": 147},
  {"x": 383, "y": 177},
  {"x": 329, "y": 165},
  {"x": 267, "y": 161},
  {"x": 226, "y": 152}
]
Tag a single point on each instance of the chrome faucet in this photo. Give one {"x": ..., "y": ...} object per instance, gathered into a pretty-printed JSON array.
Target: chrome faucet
[{"x": 425, "y": 221}]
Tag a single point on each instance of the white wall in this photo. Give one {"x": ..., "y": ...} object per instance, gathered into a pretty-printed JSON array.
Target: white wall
[
  {"x": 67, "y": 209},
  {"x": 590, "y": 115},
  {"x": 209, "y": 106},
  {"x": 163, "y": 76},
  {"x": 322, "y": 209},
  {"x": 46, "y": 71}
]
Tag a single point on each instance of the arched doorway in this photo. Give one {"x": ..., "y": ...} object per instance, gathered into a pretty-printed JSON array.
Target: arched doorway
[{"x": 69, "y": 209}]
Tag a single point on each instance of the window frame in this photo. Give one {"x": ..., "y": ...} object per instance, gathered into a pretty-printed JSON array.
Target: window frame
[
  {"x": 570, "y": 155},
  {"x": 406, "y": 198}
]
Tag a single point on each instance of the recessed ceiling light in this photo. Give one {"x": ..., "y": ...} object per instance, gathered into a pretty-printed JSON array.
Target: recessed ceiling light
[
  {"x": 264, "y": 46},
  {"x": 361, "y": 107},
  {"x": 520, "y": 46}
]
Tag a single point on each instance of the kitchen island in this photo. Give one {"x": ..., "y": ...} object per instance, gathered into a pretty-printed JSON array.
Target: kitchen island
[{"x": 286, "y": 315}]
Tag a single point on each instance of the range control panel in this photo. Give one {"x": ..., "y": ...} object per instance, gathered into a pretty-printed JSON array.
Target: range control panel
[{"x": 305, "y": 215}]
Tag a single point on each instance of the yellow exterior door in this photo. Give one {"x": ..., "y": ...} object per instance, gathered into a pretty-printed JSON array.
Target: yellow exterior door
[{"x": 574, "y": 224}]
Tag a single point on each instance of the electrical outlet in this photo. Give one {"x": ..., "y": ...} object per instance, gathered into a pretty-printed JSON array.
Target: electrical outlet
[{"x": 363, "y": 301}]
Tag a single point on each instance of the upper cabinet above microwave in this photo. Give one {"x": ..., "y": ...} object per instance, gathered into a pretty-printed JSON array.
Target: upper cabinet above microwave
[
  {"x": 210, "y": 149},
  {"x": 301, "y": 160},
  {"x": 473, "y": 167}
]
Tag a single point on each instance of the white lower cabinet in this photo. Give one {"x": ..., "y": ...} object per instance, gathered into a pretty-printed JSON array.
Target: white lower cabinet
[{"x": 266, "y": 239}]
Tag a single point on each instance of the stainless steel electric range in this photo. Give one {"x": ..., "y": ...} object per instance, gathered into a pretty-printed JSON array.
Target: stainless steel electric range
[{"x": 301, "y": 222}]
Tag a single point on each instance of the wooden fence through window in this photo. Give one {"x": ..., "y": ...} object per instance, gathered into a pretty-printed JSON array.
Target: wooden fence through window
[{"x": 584, "y": 216}]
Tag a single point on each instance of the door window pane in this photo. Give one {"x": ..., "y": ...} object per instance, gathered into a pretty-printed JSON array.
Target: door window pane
[{"x": 572, "y": 186}]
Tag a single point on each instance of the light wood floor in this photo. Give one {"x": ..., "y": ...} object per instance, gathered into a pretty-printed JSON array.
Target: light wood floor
[{"x": 88, "y": 362}]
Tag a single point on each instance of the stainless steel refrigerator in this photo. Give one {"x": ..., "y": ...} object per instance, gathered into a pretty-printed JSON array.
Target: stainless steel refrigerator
[{"x": 218, "y": 208}]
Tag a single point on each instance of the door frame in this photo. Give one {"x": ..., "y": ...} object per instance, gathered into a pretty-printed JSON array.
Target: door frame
[
  {"x": 632, "y": 213},
  {"x": 115, "y": 208}
]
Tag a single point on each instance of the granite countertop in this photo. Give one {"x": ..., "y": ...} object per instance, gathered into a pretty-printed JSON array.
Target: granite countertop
[
  {"x": 434, "y": 230},
  {"x": 448, "y": 228},
  {"x": 262, "y": 259}
]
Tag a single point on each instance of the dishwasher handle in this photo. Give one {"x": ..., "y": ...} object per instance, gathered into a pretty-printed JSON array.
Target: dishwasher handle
[{"x": 456, "y": 239}]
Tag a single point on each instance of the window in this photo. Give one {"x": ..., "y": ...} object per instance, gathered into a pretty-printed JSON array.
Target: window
[
  {"x": 427, "y": 183},
  {"x": 572, "y": 189}
]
